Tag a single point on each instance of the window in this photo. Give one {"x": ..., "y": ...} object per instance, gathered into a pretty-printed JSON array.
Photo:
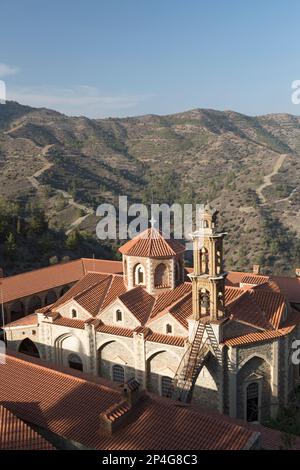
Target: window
[
  {"x": 118, "y": 315},
  {"x": 139, "y": 275},
  {"x": 252, "y": 402},
  {"x": 161, "y": 276},
  {"x": 118, "y": 374},
  {"x": 75, "y": 362},
  {"x": 74, "y": 313},
  {"x": 169, "y": 329},
  {"x": 166, "y": 387}
]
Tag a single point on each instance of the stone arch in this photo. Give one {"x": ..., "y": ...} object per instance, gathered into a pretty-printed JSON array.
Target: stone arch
[
  {"x": 161, "y": 363},
  {"x": 115, "y": 352},
  {"x": 34, "y": 303},
  {"x": 204, "y": 260},
  {"x": 139, "y": 275},
  {"x": 28, "y": 347},
  {"x": 51, "y": 297},
  {"x": 207, "y": 385},
  {"x": 67, "y": 344},
  {"x": 17, "y": 310},
  {"x": 161, "y": 276},
  {"x": 255, "y": 369},
  {"x": 248, "y": 358}
]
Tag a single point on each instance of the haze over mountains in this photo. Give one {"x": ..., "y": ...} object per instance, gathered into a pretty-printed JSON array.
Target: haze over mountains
[{"x": 247, "y": 167}]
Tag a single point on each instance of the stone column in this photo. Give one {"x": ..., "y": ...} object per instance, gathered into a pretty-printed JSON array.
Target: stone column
[{"x": 140, "y": 359}]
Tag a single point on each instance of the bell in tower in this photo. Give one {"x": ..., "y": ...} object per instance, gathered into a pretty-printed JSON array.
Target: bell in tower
[{"x": 208, "y": 278}]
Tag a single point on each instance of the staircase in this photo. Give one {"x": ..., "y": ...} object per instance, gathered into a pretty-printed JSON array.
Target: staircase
[
  {"x": 190, "y": 365},
  {"x": 213, "y": 342}
]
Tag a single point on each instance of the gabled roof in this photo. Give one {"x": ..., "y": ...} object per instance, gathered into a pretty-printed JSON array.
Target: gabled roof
[
  {"x": 94, "y": 292},
  {"x": 139, "y": 302},
  {"x": 152, "y": 244},
  {"x": 246, "y": 310}
]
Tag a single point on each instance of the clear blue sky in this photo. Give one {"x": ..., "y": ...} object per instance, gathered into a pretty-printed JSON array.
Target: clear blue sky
[{"x": 128, "y": 57}]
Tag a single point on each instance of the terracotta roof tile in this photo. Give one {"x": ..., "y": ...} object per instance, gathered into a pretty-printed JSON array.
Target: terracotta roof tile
[
  {"x": 245, "y": 309},
  {"x": 139, "y": 302},
  {"x": 69, "y": 322},
  {"x": 39, "y": 280},
  {"x": 114, "y": 330},
  {"x": 272, "y": 303},
  {"x": 254, "y": 279},
  {"x": 24, "y": 321},
  {"x": 92, "y": 298},
  {"x": 166, "y": 299},
  {"x": 151, "y": 243},
  {"x": 71, "y": 407},
  {"x": 166, "y": 339},
  {"x": 17, "y": 435}
]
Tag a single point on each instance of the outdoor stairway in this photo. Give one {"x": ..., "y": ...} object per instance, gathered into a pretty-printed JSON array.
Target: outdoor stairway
[{"x": 189, "y": 367}]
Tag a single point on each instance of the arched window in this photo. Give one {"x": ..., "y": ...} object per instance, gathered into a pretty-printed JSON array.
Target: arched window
[
  {"x": 139, "y": 275},
  {"x": 74, "y": 313},
  {"x": 204, "y": 261},
  {"x": 252, "y": 401},
  {"x": 28, "y": 347},
  {"x": 118, "y": 374},
  {"x": 75, "y": 362},
  {"x": 204, "y": 303},
  {"x": 166, "y": 386},
  {"x": 161, "y": 276},
  {"x": 118, "y": 315},
  {"x": 169, "y": 329}
]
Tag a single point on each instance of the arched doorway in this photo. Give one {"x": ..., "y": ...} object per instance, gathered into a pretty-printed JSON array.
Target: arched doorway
[
  {"x": 34, "y": 303},
  {"x": 28, "y": 347},
  {"x": 254, "y": 382}
]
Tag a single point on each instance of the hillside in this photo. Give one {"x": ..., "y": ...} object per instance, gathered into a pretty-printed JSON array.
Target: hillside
[{"x": 248, "y": 167}]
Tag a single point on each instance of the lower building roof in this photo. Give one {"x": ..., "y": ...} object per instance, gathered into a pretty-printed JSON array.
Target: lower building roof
[{"x": 70, "y": 405}]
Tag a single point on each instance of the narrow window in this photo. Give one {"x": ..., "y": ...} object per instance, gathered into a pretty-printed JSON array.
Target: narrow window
[
  {"x": 74, "y": 313},
  {"x": 169, "y": 329},
  {"x": 118, "y": 315}
]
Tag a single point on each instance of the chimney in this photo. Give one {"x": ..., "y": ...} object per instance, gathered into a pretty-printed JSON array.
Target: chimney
[
  {"x": 119, "y": 414},
  {"x": 256, "y": 269},
  {"x": 297, "y": 272}
]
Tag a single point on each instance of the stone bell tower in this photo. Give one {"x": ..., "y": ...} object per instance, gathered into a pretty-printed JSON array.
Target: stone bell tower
[{"x": 208, "y": 278}]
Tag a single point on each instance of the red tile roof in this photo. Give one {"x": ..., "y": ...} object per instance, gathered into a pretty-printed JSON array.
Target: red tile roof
[
  {"x": 69, "y": 322},
  {"x": 24, "y": 321},
  {"x": 114, "y": 330},
  {"x": 139, "y": 302},
  {"x": 254, "y": 279},
  {"x": 166, "y": 339},
  {"x": 39, "y": 280},
  {"x": 151, "y": 243},
  {"x": 17, "y": 435},
  {"x": 245, "y": 309},
  {"x": 71, "y": 407}
]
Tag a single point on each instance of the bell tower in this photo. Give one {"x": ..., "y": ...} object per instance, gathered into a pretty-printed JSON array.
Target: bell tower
[{"x": 208, "y": 278}]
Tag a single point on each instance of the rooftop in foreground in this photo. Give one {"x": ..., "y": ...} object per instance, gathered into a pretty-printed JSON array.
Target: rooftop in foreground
[{"x": 70, "y": 405}]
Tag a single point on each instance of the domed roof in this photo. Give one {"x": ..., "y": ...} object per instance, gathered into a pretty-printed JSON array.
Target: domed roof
[{"x": 152, "y": 244}]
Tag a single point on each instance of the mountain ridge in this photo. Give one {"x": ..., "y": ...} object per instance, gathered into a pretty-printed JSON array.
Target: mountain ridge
[{"x": 247, "y": 166}]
